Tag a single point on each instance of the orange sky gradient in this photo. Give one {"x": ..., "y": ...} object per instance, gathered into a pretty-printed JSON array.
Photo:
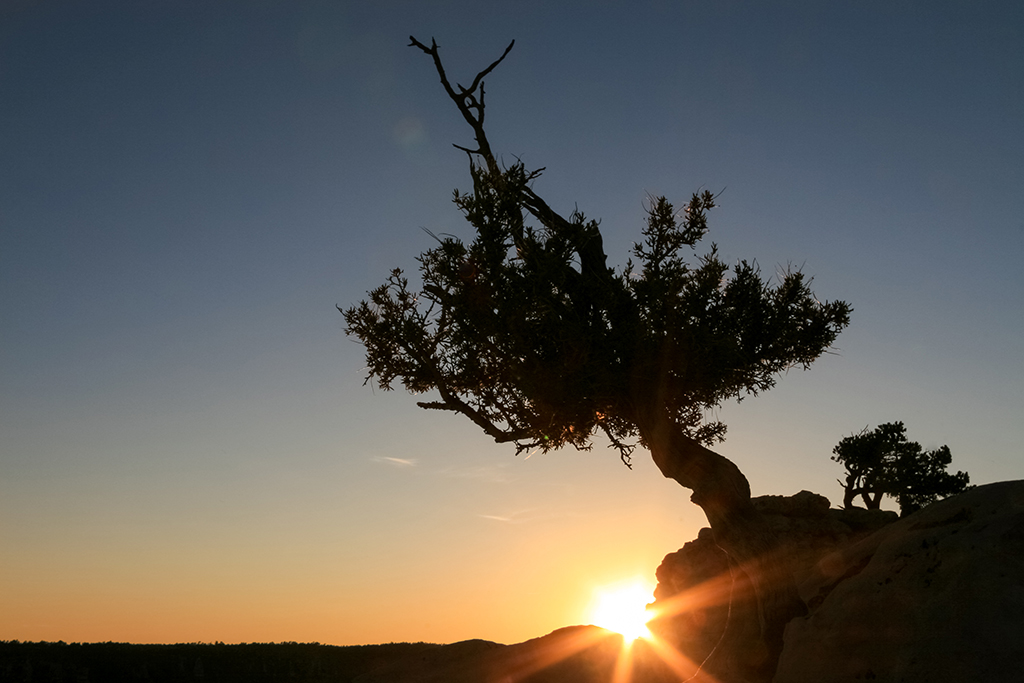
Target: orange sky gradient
[{"x": 444, "y": 573}]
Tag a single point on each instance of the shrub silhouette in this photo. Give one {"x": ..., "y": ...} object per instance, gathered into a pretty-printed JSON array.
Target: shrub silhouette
[{"x": 882, "y": 462}]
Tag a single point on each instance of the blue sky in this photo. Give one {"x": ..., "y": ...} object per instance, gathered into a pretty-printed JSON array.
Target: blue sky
[{"x": 188, "y": 188}]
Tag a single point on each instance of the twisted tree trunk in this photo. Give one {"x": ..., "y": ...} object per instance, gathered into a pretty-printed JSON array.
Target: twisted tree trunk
[{"x": 722, "y": 491}]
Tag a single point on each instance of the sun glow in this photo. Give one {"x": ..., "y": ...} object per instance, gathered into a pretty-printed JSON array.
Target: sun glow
[{"x": 622, "y": 607}]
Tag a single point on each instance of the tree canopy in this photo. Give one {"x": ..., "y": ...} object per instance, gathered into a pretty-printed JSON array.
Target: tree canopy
[
  {"x": 527, "y": 331},
  {"x": 882, "y": 462}
]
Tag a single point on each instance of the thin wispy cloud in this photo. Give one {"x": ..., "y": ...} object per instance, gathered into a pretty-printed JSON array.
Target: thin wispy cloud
[
  {"x": 497, "y": 518},
  {"x": 397, "y": 462},
  {"x": 536, "y": 514},
  {"x": 521, "y": 516}
]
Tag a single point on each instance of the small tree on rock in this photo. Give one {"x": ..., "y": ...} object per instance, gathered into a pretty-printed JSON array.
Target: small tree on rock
[
  {"x": 882, "y": 462},
  {"x": 527, "y": 332}
]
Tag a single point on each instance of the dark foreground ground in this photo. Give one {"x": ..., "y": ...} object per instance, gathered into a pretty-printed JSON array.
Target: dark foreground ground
[{"x": 578, "y": 654}]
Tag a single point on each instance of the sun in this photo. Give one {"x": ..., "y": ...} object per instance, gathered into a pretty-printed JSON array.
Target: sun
[{"x": 622, "y": 607}]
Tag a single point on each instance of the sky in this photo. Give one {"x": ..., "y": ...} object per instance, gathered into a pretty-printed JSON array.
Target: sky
[{"x": 188, "y": 189}]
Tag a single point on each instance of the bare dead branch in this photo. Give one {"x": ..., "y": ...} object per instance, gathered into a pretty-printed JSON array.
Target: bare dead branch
[
  {"x": 479, "y": 77},
  {"x": 470, "y": 105}
]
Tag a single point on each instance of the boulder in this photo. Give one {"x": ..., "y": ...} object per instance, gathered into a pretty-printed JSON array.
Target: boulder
[{"x": 937, "y": 596}]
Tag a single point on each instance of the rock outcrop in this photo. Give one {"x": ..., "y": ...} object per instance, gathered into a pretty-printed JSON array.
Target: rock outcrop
[
  {"x": 708, "y": 612},
  {"x": 935, "y": 597}
]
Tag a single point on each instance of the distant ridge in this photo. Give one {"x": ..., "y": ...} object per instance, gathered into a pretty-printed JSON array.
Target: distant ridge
[{"x": 574, "y": 654}]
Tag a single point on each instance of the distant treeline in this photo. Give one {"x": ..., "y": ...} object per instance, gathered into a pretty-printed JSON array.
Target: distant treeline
[{"x": 210, "y": 663}]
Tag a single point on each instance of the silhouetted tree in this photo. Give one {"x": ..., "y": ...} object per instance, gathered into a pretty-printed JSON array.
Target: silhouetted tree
[
  {"x": 882, "y": 462},
  {"x": 529, "y": 333}
]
